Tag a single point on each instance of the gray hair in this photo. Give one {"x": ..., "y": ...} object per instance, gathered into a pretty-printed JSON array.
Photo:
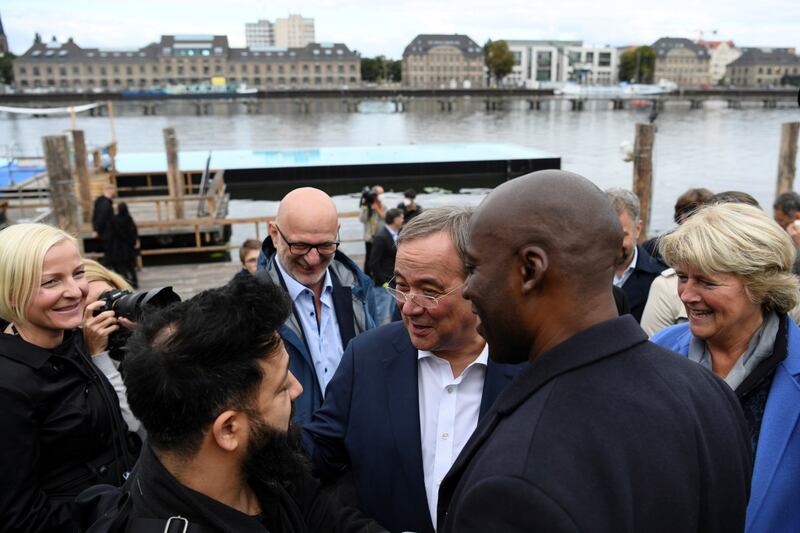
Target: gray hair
[
  {"x": 623, "y": 199},
  {"x": 452, "y": 220}
]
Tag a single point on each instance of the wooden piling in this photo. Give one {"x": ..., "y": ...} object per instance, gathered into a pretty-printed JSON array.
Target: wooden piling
[
  {"x": 643, "y": 173},
  {"x": 174, "y": 182},
  {"x": 62, "y": 187},
  {"x": 82, "y": 174},
  {"x": 788, "y": 155}
]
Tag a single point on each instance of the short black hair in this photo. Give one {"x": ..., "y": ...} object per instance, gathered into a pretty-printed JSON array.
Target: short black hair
[
  {"x": 189, "y": 362},
  {"x": 788, "y": 202},
  {"x": 392, "y": 214},
  {"x": 410, "y": 193}
]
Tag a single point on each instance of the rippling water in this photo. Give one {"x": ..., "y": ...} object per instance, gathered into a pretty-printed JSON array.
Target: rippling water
[{"x": 715, "y": 147}]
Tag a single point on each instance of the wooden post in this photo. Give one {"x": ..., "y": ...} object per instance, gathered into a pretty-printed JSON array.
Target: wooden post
[
  {"x": 62, "y": 187},
  {"x": 110, "y": 105},
  {"x": 643, "y": 173},
  {"x": 174, "y": 181},
  {"x": 97, "y": 160},
  {"x": 82, "y": 174},
  {"x": 787, "y": 157}
]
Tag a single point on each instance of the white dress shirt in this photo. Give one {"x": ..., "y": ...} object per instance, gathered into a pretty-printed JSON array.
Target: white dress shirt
[
  {"x": 448, "y": 414},
  {"x": 620, "y": 281},
  {"x": 323, "y": 338}
]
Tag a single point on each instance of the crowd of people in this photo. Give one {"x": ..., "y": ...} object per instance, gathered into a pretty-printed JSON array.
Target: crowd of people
[{"x": 541, "y": 370}]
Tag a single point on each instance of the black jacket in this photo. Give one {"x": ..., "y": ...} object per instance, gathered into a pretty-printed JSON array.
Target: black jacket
[
  {"x": 101, "y": 217},
  {"x": 605, "y": 432},
  {"x": 381, "y": 257},
  {"x": 637, "y": 286},
  {"x": 62, "y": 432},
  {"x": 152, "y": 495},
  {"x": 122, "y": 246}
]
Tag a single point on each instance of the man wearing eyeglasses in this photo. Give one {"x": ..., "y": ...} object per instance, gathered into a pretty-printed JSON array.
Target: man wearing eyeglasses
[
  {"x": 408, "y": 395},
  {"x": 331, "y": 296}
]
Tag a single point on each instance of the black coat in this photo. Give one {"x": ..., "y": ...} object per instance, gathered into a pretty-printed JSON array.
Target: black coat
[
  {"x": 381, "y": 258},
  {"x": 62, "y": 432},
  {"x": 605, "y": 432},
  {"x": 101, "y": 217},
  {"x": 294, "y": 506},
  {"x": 122, "y": 247},
  {"x": 637, "y": 286}
]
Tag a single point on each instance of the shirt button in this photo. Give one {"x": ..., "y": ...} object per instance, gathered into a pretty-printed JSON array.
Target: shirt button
[
  {"x": 449, "y": 389},
  {"x": 445, "y": 435}
]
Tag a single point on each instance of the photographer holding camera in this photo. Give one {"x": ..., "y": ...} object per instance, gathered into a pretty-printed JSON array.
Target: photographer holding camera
[{"x": 63, "y": 429}]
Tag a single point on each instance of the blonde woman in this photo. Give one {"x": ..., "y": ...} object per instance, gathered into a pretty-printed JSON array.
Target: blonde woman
[
  {"x": 62, "y": 426},
  {"x": 734, "y": 269}
]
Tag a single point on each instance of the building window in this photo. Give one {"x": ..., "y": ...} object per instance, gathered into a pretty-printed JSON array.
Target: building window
[
  {"x": 317, "y": 69},
  {"x": 543, "y": 64},
  {"x": 22, "y": 70},
  {"x": 604, "y": 59},
  {"x": 76, "y": 70},
  {"x": 573, "y": 57},
  {"x": 590, "y": 57},
  {"x": 340, "y": 69},
  {"x": 62, "y": 71}
]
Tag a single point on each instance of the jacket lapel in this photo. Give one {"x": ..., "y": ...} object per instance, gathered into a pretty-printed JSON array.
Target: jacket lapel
[{"x": 497, "y": 378}]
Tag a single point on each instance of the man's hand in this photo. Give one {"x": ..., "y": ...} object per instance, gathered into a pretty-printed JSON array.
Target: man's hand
[{"x": 96, "y": 329}]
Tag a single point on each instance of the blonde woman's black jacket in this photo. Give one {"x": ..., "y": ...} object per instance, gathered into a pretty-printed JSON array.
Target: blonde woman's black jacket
[{"x": 62, "y": 432}]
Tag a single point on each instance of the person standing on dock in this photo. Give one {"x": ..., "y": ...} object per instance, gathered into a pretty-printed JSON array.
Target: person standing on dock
[
  {"x": 384, "y": 248},
  {"x": 372, "y": 213},
  {"x": 102, "y": 215},
  {"x": 332, "y": 298},
  {"x": 409, "y": 205},
  {"x": 638, "y": 269},
  {"x": 121, "y": 251}
]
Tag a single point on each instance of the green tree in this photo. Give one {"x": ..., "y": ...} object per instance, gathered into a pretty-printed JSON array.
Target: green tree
[
  {"x": 498, "y": 58},
  {"x": 380, "y": 70},
  {"x": 395, "y": 70},
  {"x": 637, "y": 65},
  {"x": 7, "y": 68}
]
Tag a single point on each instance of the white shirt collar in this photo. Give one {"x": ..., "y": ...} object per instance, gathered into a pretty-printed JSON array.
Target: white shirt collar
[
  {"x": 619, "y": 281},
  {"x": 482, "y": 359}
]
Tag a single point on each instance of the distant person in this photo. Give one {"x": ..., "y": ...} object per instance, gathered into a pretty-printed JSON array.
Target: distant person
[
  {"x": 733, "y": 197},
  {"x": 216, "y": 403},
  {"x": 734, "y": 267},
  {"x": 604, "y": 431},
  {"x": 384, "y": 248},
  {"x": 687, "y": 203},
  {"x": 786, "y": 211},
  {"x": 248, "y": 255},
  {"x": 124, "y": 245},
  {"x": 332, "y": 299},
  {"x": 371, "y": 216},
  {"x": 62, "y": 426},
  {"x": 409, "y": 205},
  {"x": 408, "y": 395},
  {"x": 102, "y": 215},
  {"x": 637, "y": 270}
]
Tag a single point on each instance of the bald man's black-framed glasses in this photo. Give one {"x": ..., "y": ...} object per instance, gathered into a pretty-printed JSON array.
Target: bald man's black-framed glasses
[{"x": 302, "y": 248}]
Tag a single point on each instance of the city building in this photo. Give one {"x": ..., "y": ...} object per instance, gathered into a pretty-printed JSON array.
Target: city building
[
  {"x": 763, "y": 67},
  {"x": 261, "y": 33},
  {"x": 443, "y": 62},
  {"x": 195, "y": 60},
  {"x": 722, "y": 54},
  {"x": 682, "y": 61},
  {"x": 549, "y": 63},
  {"x": 294, "y": 31}
]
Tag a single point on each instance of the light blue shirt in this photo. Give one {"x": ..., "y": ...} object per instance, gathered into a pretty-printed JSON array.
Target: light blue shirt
[
  {"x": 392, "y": 232},
  {"x": 620, "y": 281},
  {"x": 323, "y": 337}
]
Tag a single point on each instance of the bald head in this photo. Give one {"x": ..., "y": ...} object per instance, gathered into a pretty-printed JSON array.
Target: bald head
[
  {"x": 541, "y": 256},
  {"x": 307, "y": 208}
]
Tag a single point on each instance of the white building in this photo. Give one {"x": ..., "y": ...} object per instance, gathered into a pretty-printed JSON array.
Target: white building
[
  {"x": 723, "y": 53},
  {"x": 549, "y": 63},
  {"x": 261, "y": 33},
  {"x": 295, "y": 31}
]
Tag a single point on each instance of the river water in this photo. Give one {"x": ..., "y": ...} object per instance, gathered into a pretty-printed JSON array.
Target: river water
[{"x": 714, "y": 147}]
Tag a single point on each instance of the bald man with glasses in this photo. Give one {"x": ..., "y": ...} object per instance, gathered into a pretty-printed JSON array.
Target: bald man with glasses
[
  {"x": 407, "y": 396},
  {"x": 332, "y": 299}
]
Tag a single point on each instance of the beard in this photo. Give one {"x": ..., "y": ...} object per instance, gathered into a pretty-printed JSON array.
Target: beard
[{"x": 273, "y": 456}]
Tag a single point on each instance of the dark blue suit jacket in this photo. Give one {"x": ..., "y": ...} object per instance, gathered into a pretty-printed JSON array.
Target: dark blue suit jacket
[
  {"x": 637, "y": 286},
  {"x": 370, "y": 422}
]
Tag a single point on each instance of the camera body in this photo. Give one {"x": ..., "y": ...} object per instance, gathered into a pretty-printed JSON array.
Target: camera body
[{"x": 131, "y": 305}]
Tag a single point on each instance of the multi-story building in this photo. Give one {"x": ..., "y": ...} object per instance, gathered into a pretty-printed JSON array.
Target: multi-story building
[
  {"x": 763, "y": 67},
  {"x": 295, "y": 31},
  {"x": 261, "y": 33},
  {"x": 544, "y": 63},
  {"x": 443, "y": 61},
  {"x": 722, "y": 53},
  {"x": 681, "y": 61},
  {"x": 186, "y": 60}
]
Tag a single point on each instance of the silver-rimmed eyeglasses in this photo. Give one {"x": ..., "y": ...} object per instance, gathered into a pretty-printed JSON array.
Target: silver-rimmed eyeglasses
[{"x": 422, "y": 300}]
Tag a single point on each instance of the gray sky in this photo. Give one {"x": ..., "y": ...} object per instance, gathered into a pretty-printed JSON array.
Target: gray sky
[{"x": 381, "y": 27}]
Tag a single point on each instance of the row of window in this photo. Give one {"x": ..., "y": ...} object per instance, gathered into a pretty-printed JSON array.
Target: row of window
[
  {"x": 118, "y": 83},
  {"x": 422, "y": 69},
  {"x": 180, "y": 69},
  {"x": 769, "y": 70}
]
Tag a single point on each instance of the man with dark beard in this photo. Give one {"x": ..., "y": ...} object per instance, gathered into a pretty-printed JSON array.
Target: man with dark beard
[{"x": 209, "y": 379}]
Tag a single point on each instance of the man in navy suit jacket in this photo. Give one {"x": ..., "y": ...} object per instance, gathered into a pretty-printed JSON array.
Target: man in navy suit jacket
[{"x": 407, "y": 396}]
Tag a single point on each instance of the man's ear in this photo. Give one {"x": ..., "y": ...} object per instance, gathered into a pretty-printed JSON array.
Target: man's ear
[
  {"x": 229, "y": 430},
  {"x": 533, "y": 265},
  {"x": 272, "y": 231}
]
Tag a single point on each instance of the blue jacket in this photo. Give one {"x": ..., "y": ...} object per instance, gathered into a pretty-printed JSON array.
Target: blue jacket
[
  {"x": 353, "y": 302},
  {"x": 775, "y": 489},
  {"x": 370, "y": 422}
]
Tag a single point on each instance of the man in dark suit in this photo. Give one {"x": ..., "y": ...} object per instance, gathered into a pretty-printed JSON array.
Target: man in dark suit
[
  {"x": 604, "y": 431},
  {"x": 637, "y": 269},
  {"x": 102, "y": 214},
  {"x": 384, "y": 248},
  {"x": 407, "y": 396}
]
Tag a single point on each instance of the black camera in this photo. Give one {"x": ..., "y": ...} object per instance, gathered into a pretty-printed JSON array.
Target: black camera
[{"x": 131, "y": 305}]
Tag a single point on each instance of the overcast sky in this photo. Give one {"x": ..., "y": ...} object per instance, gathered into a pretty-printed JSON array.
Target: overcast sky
[{"x": 376, "y": 27}]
